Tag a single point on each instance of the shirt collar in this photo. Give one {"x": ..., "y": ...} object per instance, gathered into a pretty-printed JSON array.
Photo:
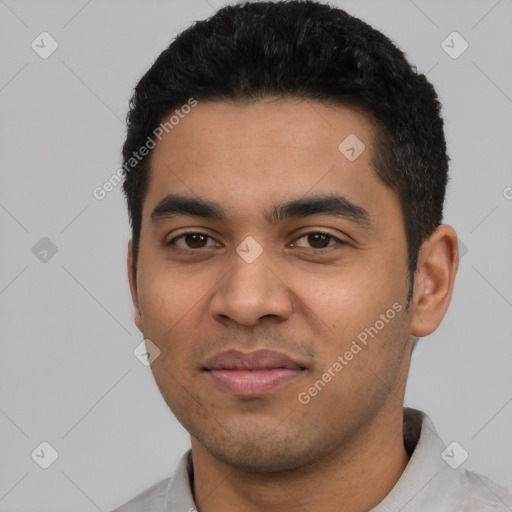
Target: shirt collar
[{"x": 425, "y": 465}]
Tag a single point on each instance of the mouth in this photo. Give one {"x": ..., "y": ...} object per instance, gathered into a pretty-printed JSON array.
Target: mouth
[{"x": 252, "y": 374}]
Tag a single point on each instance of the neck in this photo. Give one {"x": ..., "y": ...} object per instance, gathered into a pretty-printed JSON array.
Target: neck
[{"x": 355, "y": 478}]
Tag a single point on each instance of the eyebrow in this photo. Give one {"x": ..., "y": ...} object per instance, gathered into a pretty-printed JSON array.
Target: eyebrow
[{"x": 336, "y": 205}]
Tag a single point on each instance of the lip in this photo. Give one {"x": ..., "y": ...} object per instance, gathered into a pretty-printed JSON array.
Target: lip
[{"x": 252, "y": 374}]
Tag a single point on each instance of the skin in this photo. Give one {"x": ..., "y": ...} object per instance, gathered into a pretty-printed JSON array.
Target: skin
[{"x": 343, "y": 450}]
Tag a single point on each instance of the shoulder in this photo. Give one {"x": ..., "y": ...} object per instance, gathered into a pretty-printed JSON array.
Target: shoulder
[
  {"x": 482, "y": 494},
  {"x": 429, "y": 483},
  {"x": 149, "y": 500}
]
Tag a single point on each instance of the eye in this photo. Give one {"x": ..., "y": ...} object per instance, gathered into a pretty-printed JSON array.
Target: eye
[
  {"x": 191, "y": 240},
  {"x": 318, "y": 240},
  {"x": 315, "y": 240}
]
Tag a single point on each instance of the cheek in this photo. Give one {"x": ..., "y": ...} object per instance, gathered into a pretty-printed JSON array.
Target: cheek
[
  {"x": 361, "y": 303},
  {"x": 167, "y": 298},
  {"x": 344, "y": 299}
]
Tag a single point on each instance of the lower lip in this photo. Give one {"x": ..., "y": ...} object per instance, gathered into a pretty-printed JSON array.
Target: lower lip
[{"x": 253, "y": 382}]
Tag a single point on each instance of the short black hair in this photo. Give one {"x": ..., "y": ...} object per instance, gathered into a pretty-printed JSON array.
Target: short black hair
[{"x": 311, "y": 51}]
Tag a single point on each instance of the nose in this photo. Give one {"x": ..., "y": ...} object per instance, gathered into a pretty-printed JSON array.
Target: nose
[{"x": 250, "y": 292}]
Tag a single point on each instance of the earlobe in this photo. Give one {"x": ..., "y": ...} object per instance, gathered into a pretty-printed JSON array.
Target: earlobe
[
  {"x": 133, "y": 288},
  {"x": 434, "y": 280}
]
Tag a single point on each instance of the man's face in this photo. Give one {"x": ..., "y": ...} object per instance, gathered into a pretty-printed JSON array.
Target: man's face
[{"x": 325, "y": 278}]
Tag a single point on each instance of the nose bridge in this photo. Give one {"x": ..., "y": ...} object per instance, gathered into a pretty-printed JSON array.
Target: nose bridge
[
  {"x": 251, "y": 289},
  {"x": 251, "y": 270}
]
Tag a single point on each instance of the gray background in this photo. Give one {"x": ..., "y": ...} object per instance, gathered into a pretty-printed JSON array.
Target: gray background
[{"x": 68, "y": 373}]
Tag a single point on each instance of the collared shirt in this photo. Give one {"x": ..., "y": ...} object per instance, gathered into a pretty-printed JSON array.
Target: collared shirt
[{"x": 434, "y": 480}]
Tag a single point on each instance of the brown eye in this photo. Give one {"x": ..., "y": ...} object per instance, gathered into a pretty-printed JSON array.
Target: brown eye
[
  {"x": 318, "y": 240},
  {"x": 195, "y": 240},
  {"x": 191, "y": 241}
]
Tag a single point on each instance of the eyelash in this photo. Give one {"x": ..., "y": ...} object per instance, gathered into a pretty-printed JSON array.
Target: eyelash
[{"x": 323, "y": 249}]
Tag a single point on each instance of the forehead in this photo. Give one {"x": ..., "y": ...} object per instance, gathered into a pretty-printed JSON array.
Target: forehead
[
  {"x": 281, "y": 127},
  {"x": 248, "y": 155}
]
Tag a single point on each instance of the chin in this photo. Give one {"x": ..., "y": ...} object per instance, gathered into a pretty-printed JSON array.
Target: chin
[
  {"x": 268, "y": 453},
  {"x": 252, "y": 459}
]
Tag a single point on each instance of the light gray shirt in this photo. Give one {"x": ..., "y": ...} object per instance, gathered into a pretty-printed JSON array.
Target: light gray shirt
[{"x": 433, "y": 481}]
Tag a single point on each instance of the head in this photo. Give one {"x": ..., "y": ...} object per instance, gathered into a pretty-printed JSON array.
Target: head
[{"x": 303, "y": 128}]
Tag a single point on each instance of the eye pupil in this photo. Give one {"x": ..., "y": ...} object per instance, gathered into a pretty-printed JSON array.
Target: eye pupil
[
  {"x": 194, "y": 240},
  {"x": 316, "y": 238}
]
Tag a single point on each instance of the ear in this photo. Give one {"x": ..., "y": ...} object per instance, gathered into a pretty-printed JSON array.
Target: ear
[
  {"x": 434, "y": 278},
  {"x": 133, "y": 288}
]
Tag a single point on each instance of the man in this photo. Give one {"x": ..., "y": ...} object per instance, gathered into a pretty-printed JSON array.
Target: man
[{"x": 285, "y": 171}]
